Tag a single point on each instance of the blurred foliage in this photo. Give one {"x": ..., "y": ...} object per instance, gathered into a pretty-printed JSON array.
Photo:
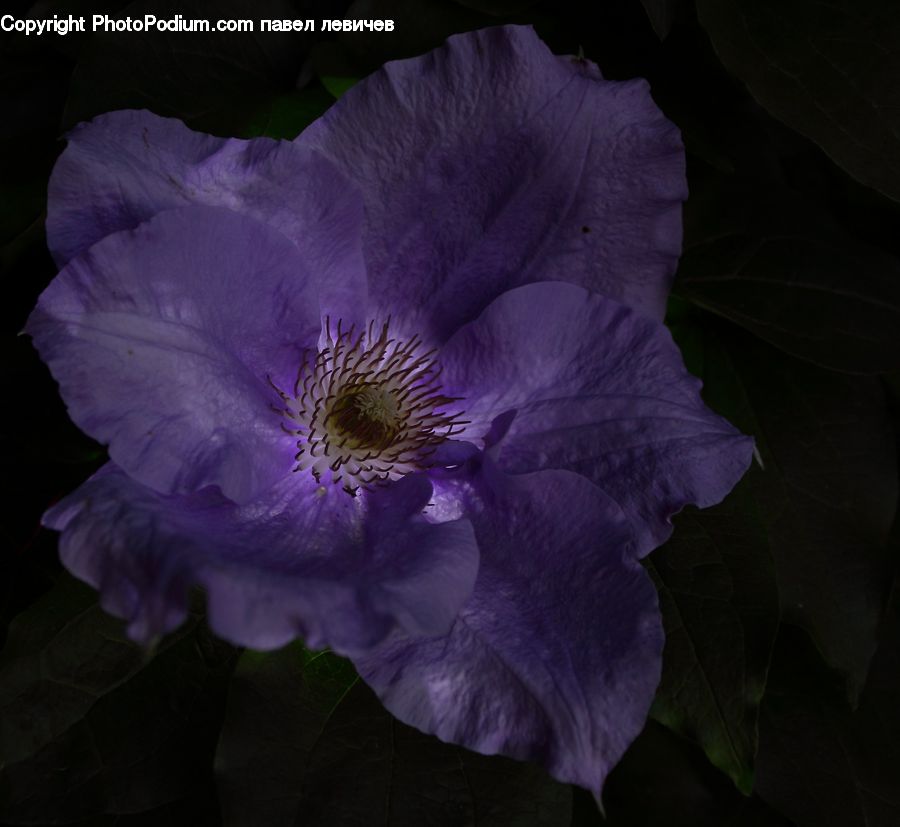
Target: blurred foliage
[
  {"x": 719, "y": 600},
  {"x": 306, "y": 741},
  {"x": 779, "y": 698},
  {"x": 821, "y": 761},
  {"x": 94, "y": 726},
  {"x": 829, "y": 70}
]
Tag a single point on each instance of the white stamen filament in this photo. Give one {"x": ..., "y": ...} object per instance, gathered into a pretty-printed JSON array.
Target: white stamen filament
[{"x": 366, "y": 410}]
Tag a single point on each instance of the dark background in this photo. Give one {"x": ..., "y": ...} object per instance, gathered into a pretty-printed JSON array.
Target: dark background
[{"x": 779, "y": 702}]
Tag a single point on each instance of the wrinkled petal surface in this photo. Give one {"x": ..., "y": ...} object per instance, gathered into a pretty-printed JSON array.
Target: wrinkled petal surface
[
  {"x": 161, "y": 339},
  {"x": 491, "y": 163},
  {"x": 300, "y": 561},
  {"x": 556, "y": 656},
  {"x": 600, "y": 390},
  {"x": 124, "y": 167}
]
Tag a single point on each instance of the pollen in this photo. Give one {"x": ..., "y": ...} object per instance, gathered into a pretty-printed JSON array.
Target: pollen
[{"x": 367, "y": 408}]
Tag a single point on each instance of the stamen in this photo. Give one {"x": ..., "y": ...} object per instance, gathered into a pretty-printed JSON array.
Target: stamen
[{"x": 367, "y": 409}]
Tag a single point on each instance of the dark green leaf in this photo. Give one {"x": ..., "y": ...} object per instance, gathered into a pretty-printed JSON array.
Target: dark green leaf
[
  {"x": 420, "y": 25},
  {"x": 215, "y": 81},
  {"x": 665, "y": 780},
  {"x": 719, "y": 602},
  {"x": 828, "y": 491},
  {"x": 819, "y": 762},
  {"x": 828, "y": 70},
  {"x": 779, "y": 267},
  {"x": 336, "y": 85},
  {"x": 92, "y": 725},
  {"x": 499, "y": 8},
  {"x": 306, "y": 742},
  {"x": 333, "y": 65},
  {"x": 662, "y": 14},
  {"x": 286, "y": 116}
]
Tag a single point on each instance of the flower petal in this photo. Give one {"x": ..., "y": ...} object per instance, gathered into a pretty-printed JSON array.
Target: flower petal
[
  {"x": 556, "y": 656},
  {"x": 124, "y": 167},
  {"x": 161, "y": 339},
  {"x": 596, "y": 389},
  {"x": 490, "y": 163},
  {"x": 303, "y": 560}
]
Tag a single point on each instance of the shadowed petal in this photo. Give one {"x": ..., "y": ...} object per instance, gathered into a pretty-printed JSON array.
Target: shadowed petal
[
  {"x": 161, "y": 339},
  {"x": 301, "y": 561},
  {"x": 124, "y": 167},
  {"x": 599, "y": 390},
  {"x": 490, "y": 163},
  {"x": 556, "y": 656}
]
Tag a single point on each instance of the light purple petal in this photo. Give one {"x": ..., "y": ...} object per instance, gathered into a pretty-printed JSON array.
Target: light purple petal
[
  {"x": 596, "y": 389},
  {"x": 491, "y": 163},
  {"x": 124, "y": 167},
  {"x": 556, "y": 656},
  {"x": 161, "y": 339},
  {"x": 301, "y": 561}
]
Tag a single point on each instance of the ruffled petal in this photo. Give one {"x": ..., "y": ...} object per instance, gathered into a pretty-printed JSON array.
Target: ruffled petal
[
  {"x": 301, "y": 561},
  {"x": 162, "y": 337},
  {"x": 597, "y": 389},
  {"x": 491, "y": 163},
  {"x": 124, "y": 167},
  {"x": 556, "y": 656}
]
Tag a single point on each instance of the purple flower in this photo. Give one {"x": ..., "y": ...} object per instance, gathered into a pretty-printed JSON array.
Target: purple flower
[{"x": 400, "y": 388}]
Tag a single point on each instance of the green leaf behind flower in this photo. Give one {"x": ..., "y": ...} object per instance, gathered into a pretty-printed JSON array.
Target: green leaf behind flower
[
  {"x": 307, "y": 742},
  {"x": 663, "y": 14},
  {"x": 286, "y": 116},
  {"x": 214, "y": 81},
  {"x": 828, "y": 70},
  {"x": 820, "y": 762},
  {"x": 719, "y": 601},
  {"x": 499, "y": 8},
  {"x": 828, "y": 489},
  {"x": 92, "y": 725},
  {"x": 764, "y": 257},
  {"x": 665, "y": 780},
  {"x": 337, "y": 85}
]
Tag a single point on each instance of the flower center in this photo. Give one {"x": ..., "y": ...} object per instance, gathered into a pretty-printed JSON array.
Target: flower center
[
  {"x": 367, "y": 409},
  {"x": 367, "y": 416}
]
